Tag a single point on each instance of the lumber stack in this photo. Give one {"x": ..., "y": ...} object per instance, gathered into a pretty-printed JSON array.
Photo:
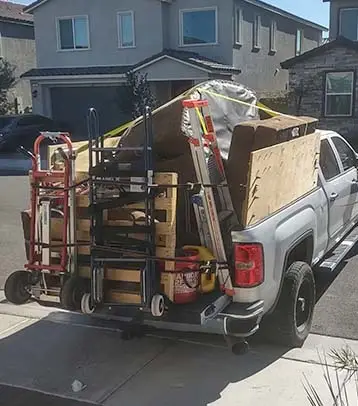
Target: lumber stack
[{"x": 123, "y": 284}]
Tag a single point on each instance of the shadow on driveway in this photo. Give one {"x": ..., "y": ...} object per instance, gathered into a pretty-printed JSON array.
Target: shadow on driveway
[{"x": 48, "y": 356}]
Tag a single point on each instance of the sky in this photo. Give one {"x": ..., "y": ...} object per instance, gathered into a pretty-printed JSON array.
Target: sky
[{"x": 313, "y": 10}]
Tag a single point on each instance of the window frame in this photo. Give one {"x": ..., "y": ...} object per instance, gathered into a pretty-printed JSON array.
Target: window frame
[
  {"x": 273, "y": 36},
  {"x": 238, "y": 25},
  {"x": 340, "y": 19},
  {"x": 341, "y": 94},
  {"x": 181, "y": 28},
  {"x": 120, "y": 13},
  {"x": 300, "y": 51},
  {"x": 257, "y": 26},
  {"x": 72, "y": 18},
  {"x": 334, "y": 154},
  {"x": 340, "y": 163}
]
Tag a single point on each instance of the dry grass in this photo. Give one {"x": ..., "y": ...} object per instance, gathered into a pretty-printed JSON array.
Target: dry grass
[{"x": 344, "y": 372}]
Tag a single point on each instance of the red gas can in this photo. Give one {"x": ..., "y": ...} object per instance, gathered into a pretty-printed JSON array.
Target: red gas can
[{"x": 187, "y": 281}]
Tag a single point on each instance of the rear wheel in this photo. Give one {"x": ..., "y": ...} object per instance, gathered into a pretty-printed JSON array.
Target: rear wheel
[
  {"x": 291, "y": 321},
  {"x": 18, "y": 287}
]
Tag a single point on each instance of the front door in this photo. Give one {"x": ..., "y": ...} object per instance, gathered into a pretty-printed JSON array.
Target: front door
[{"x": 348, "y": 162}]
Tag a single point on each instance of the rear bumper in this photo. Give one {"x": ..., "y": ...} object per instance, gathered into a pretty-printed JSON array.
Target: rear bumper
[{"x": 242, "y": 319}]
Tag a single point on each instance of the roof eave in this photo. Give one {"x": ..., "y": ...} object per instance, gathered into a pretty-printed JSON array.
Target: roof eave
[
  {"x": 283, "y": 13},
  {"x": 16, "y": 21},
  {"x": 340, "y": 41},
  {"x": 33, "y": 5}
]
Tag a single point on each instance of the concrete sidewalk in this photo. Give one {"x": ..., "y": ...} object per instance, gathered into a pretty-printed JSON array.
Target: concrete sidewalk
[{"x": 45, "y": 349}]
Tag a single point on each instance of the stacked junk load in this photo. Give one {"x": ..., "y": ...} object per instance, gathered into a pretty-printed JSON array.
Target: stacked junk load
[{"x": 138, "y": 224}]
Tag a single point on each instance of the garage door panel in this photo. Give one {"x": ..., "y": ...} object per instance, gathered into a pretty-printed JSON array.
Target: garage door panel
[{"x": 71, "y": 105}]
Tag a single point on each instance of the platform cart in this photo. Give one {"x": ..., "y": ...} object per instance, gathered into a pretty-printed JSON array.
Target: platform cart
[{"x": 53, "y": 208}]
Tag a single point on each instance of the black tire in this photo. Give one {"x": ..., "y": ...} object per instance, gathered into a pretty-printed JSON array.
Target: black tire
[
  {"x": 291, "y": 321},
  {"x": 71, "y": 293},
  {"x": 17, "y": 287}
]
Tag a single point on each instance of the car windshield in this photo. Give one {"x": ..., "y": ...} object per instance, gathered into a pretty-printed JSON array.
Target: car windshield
[{"x": 4, "y": 121}]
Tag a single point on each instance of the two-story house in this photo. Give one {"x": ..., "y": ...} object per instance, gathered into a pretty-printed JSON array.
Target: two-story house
[
  {"x": 323, "y": 80},
  {"x": 85, "y": 48},
  {"x": 17, "y": 45}
]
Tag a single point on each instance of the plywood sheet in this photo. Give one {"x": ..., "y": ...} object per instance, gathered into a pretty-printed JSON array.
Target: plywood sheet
[{"x": 280, "y": 174}]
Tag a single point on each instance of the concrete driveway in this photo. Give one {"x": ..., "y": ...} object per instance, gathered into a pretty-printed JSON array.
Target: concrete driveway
[{"x": 45, "y": 350}]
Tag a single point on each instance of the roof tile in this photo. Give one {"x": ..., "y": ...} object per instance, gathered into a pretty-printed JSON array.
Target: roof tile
[{"x": 14, "y": 11}]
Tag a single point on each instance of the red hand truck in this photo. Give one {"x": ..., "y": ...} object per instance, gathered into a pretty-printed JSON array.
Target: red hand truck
[{"x": 53, "y": 194}]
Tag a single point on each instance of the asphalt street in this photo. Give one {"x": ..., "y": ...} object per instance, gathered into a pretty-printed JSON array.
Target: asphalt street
[{"x": 336, "y": 309}]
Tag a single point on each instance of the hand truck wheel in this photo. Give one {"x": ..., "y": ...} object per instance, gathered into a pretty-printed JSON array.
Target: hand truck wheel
[
  {"x": 18, "y": 287},
  {"x": 71, "y": 293},
  {"x": 86, "y": 305},
  {"x": 157, "y": 305}
]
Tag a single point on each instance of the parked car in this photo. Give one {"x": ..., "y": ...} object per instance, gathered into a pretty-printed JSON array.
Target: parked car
[{"x": 22, "y": 130}]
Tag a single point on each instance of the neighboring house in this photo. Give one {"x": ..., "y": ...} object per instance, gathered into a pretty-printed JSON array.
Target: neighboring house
[
  {"x": 324, "y": 79},
  {"x": 85, "y": 48},
  {"x": 17, "y": 45}
]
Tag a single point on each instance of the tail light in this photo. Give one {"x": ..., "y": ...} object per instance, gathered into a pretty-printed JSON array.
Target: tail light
[{"x": 249, "y": 265}]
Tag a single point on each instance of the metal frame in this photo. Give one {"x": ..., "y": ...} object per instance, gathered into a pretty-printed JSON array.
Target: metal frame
[
  {"x": 40, "y": 225},
  {"x": 143, "y": 192}
]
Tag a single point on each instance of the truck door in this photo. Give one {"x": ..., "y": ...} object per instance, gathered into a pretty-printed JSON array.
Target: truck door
[
  {"x": 348, "y": 165},
  {"x": 337, "y": 185}
]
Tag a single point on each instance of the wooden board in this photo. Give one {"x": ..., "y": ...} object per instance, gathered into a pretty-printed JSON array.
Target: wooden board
[{"x": 280, "y": 174}]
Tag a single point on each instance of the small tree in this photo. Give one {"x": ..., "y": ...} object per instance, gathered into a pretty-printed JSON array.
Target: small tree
[
  {"x": 137, "y": 95},
  {"x": 304, "y": 87},
  {"x": 7, "y": 81}
]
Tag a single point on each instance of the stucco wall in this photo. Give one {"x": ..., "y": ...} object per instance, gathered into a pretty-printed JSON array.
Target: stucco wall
[
  {"x": 103, "y": 30},
  {"x": 335, "y": 6},
  {"x": 261, "y": 68}
]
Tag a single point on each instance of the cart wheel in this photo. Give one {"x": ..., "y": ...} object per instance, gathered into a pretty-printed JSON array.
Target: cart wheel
[
  {"x": 86, "y": 305},
  {"x": 71, "y": 293},
  {"x": 17, "y": 287},
  {"x": 157, "y": 305}
]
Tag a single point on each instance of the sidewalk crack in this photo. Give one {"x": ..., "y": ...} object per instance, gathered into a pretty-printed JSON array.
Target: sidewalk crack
[{"x": 123, "y": 383}]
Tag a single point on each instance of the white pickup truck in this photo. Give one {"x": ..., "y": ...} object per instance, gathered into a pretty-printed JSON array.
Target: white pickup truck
[{"x": 274, "y": 261}]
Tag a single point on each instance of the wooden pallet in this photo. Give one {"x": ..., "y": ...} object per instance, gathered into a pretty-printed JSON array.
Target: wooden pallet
[{"x": 165, "y": 214}]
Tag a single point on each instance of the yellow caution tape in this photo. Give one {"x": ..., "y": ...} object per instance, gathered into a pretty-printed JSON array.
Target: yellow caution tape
[{"x": 259, "y": 106}]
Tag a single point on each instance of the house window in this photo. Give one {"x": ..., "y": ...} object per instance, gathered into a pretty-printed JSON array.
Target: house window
[
  {"x": 339, "y": 94},
  {"x": 257, "y": 31},
  {"x": 273, "y": 29},
  {"x": 348, "y": 23},
  {"x": 299, "y": 41},
  {"x": 198, "y": 27},
  {"x": 73, "y": 33},
  {"x": 126, "y": 29},
  {"x": 238, "y": 26}
]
